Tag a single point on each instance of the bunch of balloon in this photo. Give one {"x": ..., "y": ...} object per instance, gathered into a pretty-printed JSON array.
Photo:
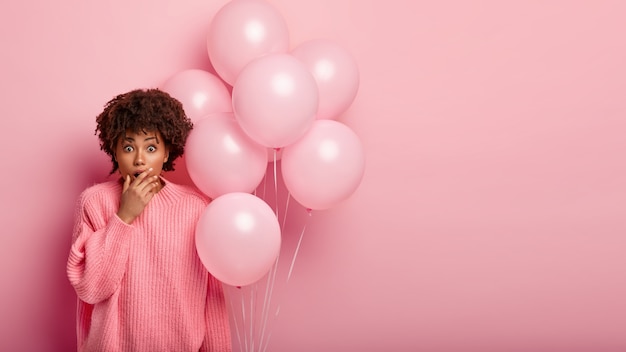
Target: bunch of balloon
[{"x": 283, "y": 106}]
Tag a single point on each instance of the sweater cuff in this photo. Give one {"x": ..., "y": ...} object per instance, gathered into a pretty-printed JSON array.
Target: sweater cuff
[
  {"x": 119, "y": 233},
  {"x": 119, "y": 224}
]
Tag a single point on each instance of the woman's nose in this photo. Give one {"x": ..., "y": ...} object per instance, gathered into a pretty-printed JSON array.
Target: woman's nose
[{"x": 139, "y": 159}]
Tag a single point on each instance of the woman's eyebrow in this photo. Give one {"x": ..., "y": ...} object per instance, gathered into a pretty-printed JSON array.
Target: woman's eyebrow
[{"x": 131, "y": 139}]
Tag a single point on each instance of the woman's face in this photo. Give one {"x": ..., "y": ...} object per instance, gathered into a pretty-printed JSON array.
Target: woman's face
[{"x": 138, "y": 152}]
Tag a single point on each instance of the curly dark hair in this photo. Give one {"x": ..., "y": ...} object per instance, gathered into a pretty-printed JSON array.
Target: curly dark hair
[{"x": 144, "y": 110}]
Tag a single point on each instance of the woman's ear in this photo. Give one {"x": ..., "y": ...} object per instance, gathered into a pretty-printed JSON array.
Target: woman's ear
[{"x": 167, "y": 155}]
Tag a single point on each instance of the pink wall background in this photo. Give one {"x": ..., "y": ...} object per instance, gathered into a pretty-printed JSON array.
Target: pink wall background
[{"x": 491, "y": 216}]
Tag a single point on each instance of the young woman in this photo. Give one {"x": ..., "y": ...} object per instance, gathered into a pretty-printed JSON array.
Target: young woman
[{"x": 133, "y": 263}]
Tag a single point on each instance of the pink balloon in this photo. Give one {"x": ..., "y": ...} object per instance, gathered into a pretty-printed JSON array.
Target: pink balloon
[
  {"x": 241, "y": 31},
  {"x": 238, "y": 238},
  {"x": 335, "y": 72},
  {"x": 200, "y": 92},
  {"x": 325, "y": 166},
  {"x": 221, "y": 158},
  {"x": 275, "y": 100}
]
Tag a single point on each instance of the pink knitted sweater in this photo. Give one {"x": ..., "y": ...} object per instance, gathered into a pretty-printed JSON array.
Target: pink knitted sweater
[{"x": 142, "y": 287}]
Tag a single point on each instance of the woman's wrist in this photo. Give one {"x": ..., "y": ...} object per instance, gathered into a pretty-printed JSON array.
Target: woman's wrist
[{"x": 125, "y": 217}]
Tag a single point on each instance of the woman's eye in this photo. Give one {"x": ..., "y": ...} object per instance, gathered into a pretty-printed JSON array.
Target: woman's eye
[
  {"x": 128, "y": 149},
  {"x": 151, "y": 148}
]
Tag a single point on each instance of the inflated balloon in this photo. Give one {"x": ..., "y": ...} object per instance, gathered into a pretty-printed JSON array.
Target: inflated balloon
[
  {"x": 325, "y": 166},
  {"x": 200, "y": 92},
  {"x": 238, "y": 238},
  {"x": 275, "y": 100},
  {"x": 241, "y": 31},
  {"x": 221, "y": 158},
  {"x": 335, "y": 72}
]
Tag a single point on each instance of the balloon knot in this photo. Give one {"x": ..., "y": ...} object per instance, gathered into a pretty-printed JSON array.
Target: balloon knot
[{"x": 310, "y": 211}]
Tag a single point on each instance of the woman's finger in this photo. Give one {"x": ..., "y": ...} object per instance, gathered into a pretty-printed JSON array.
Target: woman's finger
[
  {"x": 126, "y": 183},
  {"x": 148, "y": 184},
  {"x": 139, "y": 179}
]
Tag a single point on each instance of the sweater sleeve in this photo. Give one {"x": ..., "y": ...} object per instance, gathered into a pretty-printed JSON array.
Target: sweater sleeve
[
  {"x": 99, "y": 253},
  {"x": 217, "y": 338}
]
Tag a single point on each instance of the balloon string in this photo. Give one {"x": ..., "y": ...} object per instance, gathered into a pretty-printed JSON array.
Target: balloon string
[
  {"x": 243, "y": 319},
  {"x": 232, "y": 308},
  {"x": 295, "y": 254},
  {"x": 275, "y": 182},
  {"x": 285, "y": 215},
  {"x": 264, "y": 185},
  {"x": 267, "y": 342},
  {"x": 271, "y": 279},
  {"x": 252, "y": 310},
  {"x": 267, "y": 291},
  {"x": 263, "y": 311}
]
